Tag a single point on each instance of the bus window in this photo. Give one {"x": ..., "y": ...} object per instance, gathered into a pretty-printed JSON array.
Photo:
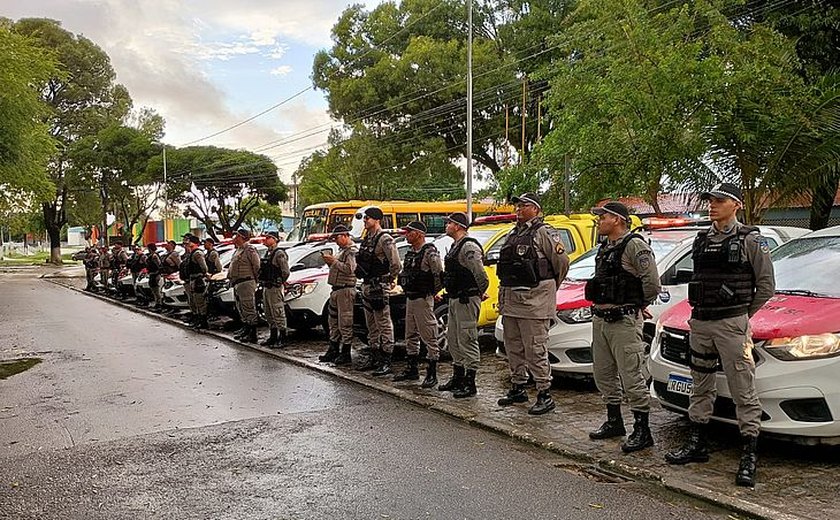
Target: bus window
[
  {"x": 345, "y": 219},
  {"x": 313, "y": 221},
  {"x": 435, "y": 223},
  {"x": 404, "y": 219}
]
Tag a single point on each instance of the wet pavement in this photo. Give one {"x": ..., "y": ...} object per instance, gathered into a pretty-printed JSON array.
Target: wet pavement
[{"x": 207, "y": 381}]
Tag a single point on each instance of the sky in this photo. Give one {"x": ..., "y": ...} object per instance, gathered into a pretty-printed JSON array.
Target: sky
[{"x": 206, "y": 65}]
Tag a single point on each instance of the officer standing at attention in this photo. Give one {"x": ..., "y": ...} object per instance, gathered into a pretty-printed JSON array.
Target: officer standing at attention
[
  {"x": 170, "y": 264},
  {"x": 153, "y": 265},
  {"x": 243, "y": 271},
  {"x": 466, "y": 284},
  {"x": 378, "y": 265},
  {"x": 91, "y": 265},
  {"x": 104, "y": 267},
  {"x": 733, "y": 278},
  {"x": 532, "y": 263},
  {"x": 274, "y": 271},
  {"x": 185, "y": 276},
  {"x": 118, "y": 261},
  {"x": 196, "y": 270},
  {"x": 626, "y": 281},
  {"x": 421, "y": 279},
  {"x": 211, "y": 256},
  {"x": 342, "y": 279}
]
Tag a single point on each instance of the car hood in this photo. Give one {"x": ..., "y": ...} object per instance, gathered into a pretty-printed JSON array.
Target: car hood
[
  {"x": 570, "y": 295},
  {"x": 783, "y": 316},
  {"x": 308, "y": 275}
]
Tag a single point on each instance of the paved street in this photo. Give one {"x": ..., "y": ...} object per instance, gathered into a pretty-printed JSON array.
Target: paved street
[{"x": 129, "y": 417}]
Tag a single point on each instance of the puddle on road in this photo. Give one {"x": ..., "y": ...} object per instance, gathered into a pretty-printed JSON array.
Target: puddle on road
[{"x": 10, "y": 367}]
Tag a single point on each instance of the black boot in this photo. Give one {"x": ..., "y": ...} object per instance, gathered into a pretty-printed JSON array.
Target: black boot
[
  {"x": 455, "y": 382},
  {"x": 431, "y": 375},
  {"x": 272, "y": 338},
  {"x": 250, "y": 336},
  {"x": 384, "y": 366},
  {"x": 641, "y": 437},
  {"x": 468, "y": 388},
  {"x": 239, "y": 334},
  {"x": 344, "y": 358},
  {"x": 331, "y": 354},
  {"x": 281, "y": 339},
  {"x": 612, "y": 427},
  {"x": 371, "y": 362},
  {"x": 543, "y": 405},
  {"x": 201, "y": 323},
  {"x": 517, "y": 394},
  {"x": 694, "y": 450},
  {"x": 749, "y": 458},
  {"x": 411, "y": 373}
]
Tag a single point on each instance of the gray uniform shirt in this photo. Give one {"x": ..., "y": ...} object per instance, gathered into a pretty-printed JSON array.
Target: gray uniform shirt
[
  {"x": 756, "y": 250},
  {"x": 173, "y": 261},
  {"x": 281, "y": 261},
  {"x": 212, "y": 258},
  {"x": 472, "y": 257},
  {"x": 432, "y": 262},
  {"x": 540, "y": 302},
  {"x": 245, "y": 263},
  {"x": 639, "y": 261},
  {"x": 343, "y": 270}
]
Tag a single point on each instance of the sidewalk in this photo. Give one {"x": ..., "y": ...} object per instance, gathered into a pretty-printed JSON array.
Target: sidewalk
[{"x": 793, "y": 481}]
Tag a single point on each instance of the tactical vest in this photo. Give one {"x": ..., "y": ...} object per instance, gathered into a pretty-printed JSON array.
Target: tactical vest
[
  {"x": 723, "y": 284},
  {"x": 153, "y": 264},
  {"x": 612, "y": 284},
  {"x": 368, "y": 266},
  {"x": 416, "y": 282},
  {"x": 211, "y": 257},
  {"x": 270, "y": 275},
  {"x": 519, "y": 263},
  {"x": 457, "y": 279},
  {"x": 137, "y": 263},
  {"x": 192, "y": 270},
  {"x": 119, "y": 259}
]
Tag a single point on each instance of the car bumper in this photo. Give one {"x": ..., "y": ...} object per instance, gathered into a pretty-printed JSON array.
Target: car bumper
[{"x": 569, "y": 346}]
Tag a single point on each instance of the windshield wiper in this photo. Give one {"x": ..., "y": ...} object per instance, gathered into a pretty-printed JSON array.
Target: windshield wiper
[{"x": 801, "y": 292}]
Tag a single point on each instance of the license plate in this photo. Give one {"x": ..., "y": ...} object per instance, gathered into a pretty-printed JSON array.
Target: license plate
[{"x": 680, "y": 384}]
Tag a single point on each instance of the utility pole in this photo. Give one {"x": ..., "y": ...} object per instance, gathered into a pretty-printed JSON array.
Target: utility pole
[
  {"x": 469, "y": 111},
  {"x": 507, "y": 134},
  {"x": 524, "y": 87}
]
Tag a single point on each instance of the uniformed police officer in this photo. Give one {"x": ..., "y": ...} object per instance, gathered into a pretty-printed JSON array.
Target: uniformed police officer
[
  {"x": 243, "y": 272},
  {"x": 378, "y": 265},
  {"x": 532, "y": 263},
  {"x": 421, "y": 279},
  {"x": 91, "y": 267},
  {"x": 733, "y": 278},
  {"x": 196, "y": 271},
  {"x": 185, "y": 278},
  {"x": 626, "y": 281},
  {"x": 211, "y": 256},
  {"x": 274, "y": 271},
  {"x": 466, "y": 284},
  {"x": 104, "y": 267},
  {"x": 170, "y": 264},
  {"x": 342, "y": 280},
  {"x": 137, "y": 263},
  {"x": 153, "y": 265},
  {"x": 119, "y": 258}
]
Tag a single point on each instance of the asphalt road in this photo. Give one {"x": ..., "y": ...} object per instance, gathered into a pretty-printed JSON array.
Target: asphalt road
[{"x": 128, "y": 417}]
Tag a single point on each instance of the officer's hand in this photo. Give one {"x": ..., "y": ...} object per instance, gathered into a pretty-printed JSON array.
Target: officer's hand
[
  {"x": 484, "y": 296},
  {"x": 329, "y": 259},
  {"x": 392, "y": 285},
  {"x": 646, "y": 313}
]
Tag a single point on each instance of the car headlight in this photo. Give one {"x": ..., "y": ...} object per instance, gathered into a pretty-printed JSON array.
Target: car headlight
[
  {"x": 167, "y": 284},
  {"x": 579, "y": 315},
  {"x": 804, "y": 347},
  {"x": 296, "y": 290}
]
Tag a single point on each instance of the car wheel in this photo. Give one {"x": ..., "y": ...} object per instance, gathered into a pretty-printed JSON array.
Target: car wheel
[
  {"x": 442, "y": 317},
  {"x": 325, "y": 319}
]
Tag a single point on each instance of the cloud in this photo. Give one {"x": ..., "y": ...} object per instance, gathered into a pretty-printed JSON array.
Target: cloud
[{"x": 282, "y": 70}]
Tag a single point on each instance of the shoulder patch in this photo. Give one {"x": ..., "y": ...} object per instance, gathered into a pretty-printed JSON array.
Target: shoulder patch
[
  {"x": 644, "y": 258},
  {"x": 763, "y": 244},
  {"x": 559, "y": 248}
]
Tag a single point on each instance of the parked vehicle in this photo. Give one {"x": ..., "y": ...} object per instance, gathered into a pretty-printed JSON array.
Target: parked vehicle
[
  {"x": 570, "y": 335},
  {"x": 797, "y": 347}
]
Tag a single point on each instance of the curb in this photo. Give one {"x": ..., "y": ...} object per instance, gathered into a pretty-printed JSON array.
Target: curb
[{"x": 602, "y": 465}]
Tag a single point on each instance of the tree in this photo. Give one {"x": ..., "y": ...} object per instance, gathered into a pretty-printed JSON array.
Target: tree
[
  {"x": 25, "y": 141},
  {"x": 221, "y": 186},
  {"x": 265, "y": 213},
  {"x": 84, "y": 100}
]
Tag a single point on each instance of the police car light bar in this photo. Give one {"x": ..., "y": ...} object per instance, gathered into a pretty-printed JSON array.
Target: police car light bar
[
  {"x": 317, "y": 237},
  {"x": 495, "y": 219},
  {"x": 668, "y": 222}
]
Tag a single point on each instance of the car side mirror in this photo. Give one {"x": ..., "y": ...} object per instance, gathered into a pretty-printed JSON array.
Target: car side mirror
[
  {"x": 492, "y": 258},
  {"x": 297, "y": 267},
  {"x": 683, "y": 276}
]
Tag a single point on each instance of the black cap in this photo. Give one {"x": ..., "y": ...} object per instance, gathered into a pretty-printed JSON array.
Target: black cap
[
  {"x": 194, "y": 239},
  {"x": 340, "y": 229},
  {"x": 151, "y": 246},
  {"x": 614, "y": 208},
  {"x": 723, "y": 190},
  {"x": 374, "y": 213},
  {"x": 172, "y": 243},
  {"x": 209, "y": 239},
  {"x": 459, "y": 218},
  {"x": 528, "y": 198},
  {"x": 187, "y": 236},
  {"x": 244, "y": 233},
  {"x": 273, "y": 234},
  {"x": 416, "y": 226}
]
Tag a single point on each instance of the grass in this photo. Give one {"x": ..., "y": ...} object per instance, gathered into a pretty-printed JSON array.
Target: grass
[{"x": 39, "y": 258}]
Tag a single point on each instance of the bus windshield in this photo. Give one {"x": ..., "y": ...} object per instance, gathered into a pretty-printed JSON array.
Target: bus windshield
[{"x": 313, "y": 221}]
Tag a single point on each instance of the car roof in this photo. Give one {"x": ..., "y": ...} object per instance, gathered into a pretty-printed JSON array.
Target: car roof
[{"x": 833, "y": 231}]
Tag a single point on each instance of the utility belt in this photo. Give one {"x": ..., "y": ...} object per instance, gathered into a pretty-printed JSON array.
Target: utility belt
[
  {"x": 271, "y": 285},
  {"x": 238, "y": 281},
  {"x": 463, "y": 297},
  {"x": 377, "y": 279},
  {"x": 341, "y": 287},
  {"x": 614, "y": 314},
  {"x": 708, "y": 313},
  {"x": 417, "y": 296}
]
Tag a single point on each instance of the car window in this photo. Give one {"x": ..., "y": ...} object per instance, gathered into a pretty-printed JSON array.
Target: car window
[
  {"x": 809, "y": 265},
  {"x": 404, "y": 219},
  {"x": 312, "y": 260}
]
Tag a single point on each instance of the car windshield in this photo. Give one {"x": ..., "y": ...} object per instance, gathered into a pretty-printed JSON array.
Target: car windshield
[
  {"x": 583, "y": 267},
  {"x": 444, "y": 242},
  {"x": 808, "y": 266}
]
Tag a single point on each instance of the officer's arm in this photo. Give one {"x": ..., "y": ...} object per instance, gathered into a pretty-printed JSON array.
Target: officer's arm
[
  {"x": 348, "y": 264},
  {"x": 254, "y": 261},
  {"x": 435, "y": 265},
  {"x": 390, "y": 250},
  {"x": 281, "y": 260},
  {"x": 640, "y": 256},
  {"x": 473, "y": 259},
  {"x": 216, "y": 261},
  {"x": 758, "y": 254},
  {"x": 553, "y": 248},
  {"x": 202, "y": 263}
]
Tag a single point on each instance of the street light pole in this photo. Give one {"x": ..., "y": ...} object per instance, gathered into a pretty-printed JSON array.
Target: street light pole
[{"x": 469, "y": 111}]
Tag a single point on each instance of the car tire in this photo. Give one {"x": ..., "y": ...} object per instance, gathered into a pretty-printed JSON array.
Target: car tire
[
  {"x": 442, "y": 317},
  {"x": 325, "y": 319}
]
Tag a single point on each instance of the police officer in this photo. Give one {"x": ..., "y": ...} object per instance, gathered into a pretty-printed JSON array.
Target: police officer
[
  {"x": 733, "y": 278},
  {"x": 211, "y": 256},
  {"x": 626, "y": 281},
  {"x": 91, "y": 267},
  {"x": 378, "y": 265},
  {"x": 153, "y": 265},
  {"x": 532, "y": 263},
  {"x": 118, "y": 261},
  {"x": 242, "y": 273},
  {"x": 104, "y": 267},
  {"x": 342, "y": 279},
  {"x": 421, "y": 279},
  {"x": 196, "y": 272},
  {"x": 466, "y": 284},
  {"x": 185, "y": 278},
  {"x": 274, "y": 271},
  {"x": 170, "y": 264}
]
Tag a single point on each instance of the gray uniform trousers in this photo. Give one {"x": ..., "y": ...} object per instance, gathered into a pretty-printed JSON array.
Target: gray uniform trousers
[
  {"x": 188, "y": 291},
  {"x": 462, "y": 332},
  {"x": 526, "y": 346},
  {"x": 244, "y": 294},
  {"x": 157, "y": 294},
  {"x": 618, "y": 358},
  {"x": 421, "y": 324},
  {"x": 379, "y": 324},
  {"x": 729, "y": 338},
  {"x": 198, "y": 300},
  {"x": 103, "y": 276},
  {"x": 274, "y": 307},
  {"x": 341, "y": 315},
  {"x": 90, "y": 275}
]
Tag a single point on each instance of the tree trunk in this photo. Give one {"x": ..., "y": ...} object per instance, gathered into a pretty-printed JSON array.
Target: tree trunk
[
  {"x": 822, "y": 201},
  {"x": 51, "y": 222}
]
